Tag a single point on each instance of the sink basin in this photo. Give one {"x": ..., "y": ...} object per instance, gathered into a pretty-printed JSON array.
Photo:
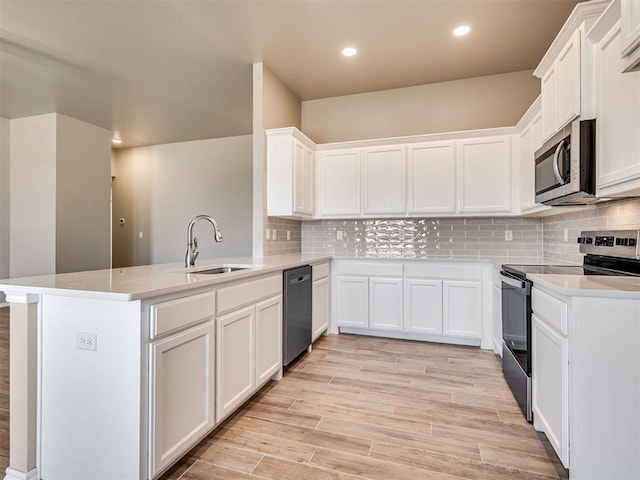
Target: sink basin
[{"x": 218, "y": 270}]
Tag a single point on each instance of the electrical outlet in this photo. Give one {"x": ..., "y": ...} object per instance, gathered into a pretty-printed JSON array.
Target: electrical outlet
[
  {"x": 288, "y": 234},
  {"x": 86, "y": 341},
  {"x": 140, "y": 235},
  {"x": 268, "y": 232},
  {"x": 508, "y": 235},
  {"x": 565, "y": 234},
  {"x": 339, "y": 234},
  {"x": 273, "y": 234}
]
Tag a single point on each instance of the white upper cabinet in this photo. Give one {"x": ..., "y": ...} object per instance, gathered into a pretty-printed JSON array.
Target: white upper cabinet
[
  {"x": 566, "y": 71},
  {"x": 431, "y": 177},
  {"x": 485, "y": 175},
  {"x": 339, "y": 180},
  {"x": 568, "y": 66},
  {"x": 384, "y": 180},
  {"x": 630, "y": 39},
  {"x": 290, "y": 173},
  {"x": 618, "y": 113}
]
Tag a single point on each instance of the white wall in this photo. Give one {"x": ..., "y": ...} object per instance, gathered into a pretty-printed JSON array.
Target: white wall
[
  {"x": 33, "y": 192},
  {"x": 83, "y": 184},
  {"x": 160, "y": 188},
  {"x": 481, "y": 102}
]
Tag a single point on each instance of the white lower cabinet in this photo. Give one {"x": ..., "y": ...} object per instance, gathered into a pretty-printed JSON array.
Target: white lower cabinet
[
  {"x": 496, "y": 300},
  {"x": 182, "y": 380},
  {"x": 423, "y": 306},
  {"x": 248, "y": 340},
  {"x": 462, "y": 312},
  {"x": 550, "y": 378},
  {"x": 182, "y": 393},
  {"x": 353, "y": 301},
  {"x": 321, "y": 300},
  {"x": 268, "y": 339},
  {"x": 415, "y": 300},
  {"x": 385, "y": 303},
  {"x": 235, "y": 361}
]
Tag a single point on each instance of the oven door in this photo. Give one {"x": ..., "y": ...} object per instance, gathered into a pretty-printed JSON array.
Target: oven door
[{"x": 516, "y": 318}]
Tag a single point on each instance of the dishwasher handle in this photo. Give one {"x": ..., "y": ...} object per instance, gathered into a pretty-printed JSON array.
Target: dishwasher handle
[{"x": 300, "y": 279}]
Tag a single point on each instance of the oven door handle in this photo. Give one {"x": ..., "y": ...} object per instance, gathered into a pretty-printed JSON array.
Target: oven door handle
[{"x": 513, "y": 282}]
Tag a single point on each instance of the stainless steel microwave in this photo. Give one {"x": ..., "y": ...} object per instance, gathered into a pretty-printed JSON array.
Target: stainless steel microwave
[{"x": 566, "y": 166}]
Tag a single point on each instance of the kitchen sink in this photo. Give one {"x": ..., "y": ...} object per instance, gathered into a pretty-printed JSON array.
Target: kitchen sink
[{"x": 218, "y": 270}]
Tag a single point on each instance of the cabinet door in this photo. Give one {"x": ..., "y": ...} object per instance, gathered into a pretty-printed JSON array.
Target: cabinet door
[
  {"x": 321, "y": 306},
  {"x": 431, "y": 177},
  {"x": 462, "y": 316},
  {"x": 536, "y": 125},
  {"x": 549, "y": 87},
  {"x": 268, "y": 339},
  {"x": 352, "y": 306},
  {"x": 568, "y": 65},
  {"x": 423, "y": 306},
  {"x": 385, "y": 303},
  {"x": 309, "y": 180},
  {"x": 182, "y": 393},
  {"x": 527, "y": 169},
  {"x": 299, "y": 181},
  {"x": 485, "y": 175},
  {"x": 303, "y": 174},
  {"x": 630, "y": 14},
  {"x": 384, "y": 180},
  {"x": 618, "y": 125},
  {"x": 339, "y": 183},
  {"x": 235, "y": 360},
  {"x": 550, "y": 378}
]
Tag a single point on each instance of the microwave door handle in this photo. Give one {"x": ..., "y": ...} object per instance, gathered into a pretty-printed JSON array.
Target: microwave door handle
[{"x": 556, "y": 161}]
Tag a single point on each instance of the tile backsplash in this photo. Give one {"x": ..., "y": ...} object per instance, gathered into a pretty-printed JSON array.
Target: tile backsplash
[
  {"x": 619, "y": 215},
  {"x": 282, "y": 246},
  {"x": 441, "y": 238}
]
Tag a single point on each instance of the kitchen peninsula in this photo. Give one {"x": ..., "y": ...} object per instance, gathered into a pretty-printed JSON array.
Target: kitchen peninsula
[{"x": 117, "y": 373}]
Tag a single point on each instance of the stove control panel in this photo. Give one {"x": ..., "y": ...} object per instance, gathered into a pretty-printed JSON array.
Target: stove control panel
[{"x": 615, "y": 243}]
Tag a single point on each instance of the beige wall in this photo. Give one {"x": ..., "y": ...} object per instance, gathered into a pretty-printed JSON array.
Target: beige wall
[
  {"x": 83, "y": 184},
  {"x": 274, "y": 106},
  {"x": 59, "y": 192},
  {"x": 33, "y": 194},
  {"x": 4, "y": 199},
  {"x": 482, "y": 102},
  {"x": 159, "y": 189}
]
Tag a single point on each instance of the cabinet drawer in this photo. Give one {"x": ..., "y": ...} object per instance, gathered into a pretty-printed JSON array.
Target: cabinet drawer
[
  {"x": 320, "y": 271},
  {"x": 550, "y": 309},
  {"x": 369, "y": 268},
  {"x": 230, "y": 298},
  {"x": 176, "y": 314},
  {"x": 462, "y": 271}
]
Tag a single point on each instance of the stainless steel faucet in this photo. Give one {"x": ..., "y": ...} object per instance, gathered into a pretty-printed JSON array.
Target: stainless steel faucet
[{"x": 192, "y": 243}]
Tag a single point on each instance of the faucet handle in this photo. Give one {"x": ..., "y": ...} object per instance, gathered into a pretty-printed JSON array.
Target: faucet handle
[{"x": 195, "y": 248}]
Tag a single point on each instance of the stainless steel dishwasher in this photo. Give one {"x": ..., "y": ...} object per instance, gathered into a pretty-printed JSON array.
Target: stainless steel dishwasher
[{"x": 296, "y": 326}]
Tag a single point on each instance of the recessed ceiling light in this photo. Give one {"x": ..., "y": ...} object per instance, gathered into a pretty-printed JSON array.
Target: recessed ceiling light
[
  {"x": 117, "y": 141},
  {"x": 349, "y": 51},
  {"x": 462, "y": 30}
]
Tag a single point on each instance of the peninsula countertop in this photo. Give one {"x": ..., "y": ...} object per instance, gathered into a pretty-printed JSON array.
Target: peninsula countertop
[{"x": 134, "y": 283}]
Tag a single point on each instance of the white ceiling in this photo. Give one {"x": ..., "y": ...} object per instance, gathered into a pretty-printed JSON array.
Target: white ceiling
[{"x": 160, "y": 71}]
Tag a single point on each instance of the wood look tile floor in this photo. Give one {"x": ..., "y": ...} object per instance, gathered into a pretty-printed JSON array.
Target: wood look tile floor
[
  {"x": 378, "y": 409},
  {"x": 365, "y": 408}
]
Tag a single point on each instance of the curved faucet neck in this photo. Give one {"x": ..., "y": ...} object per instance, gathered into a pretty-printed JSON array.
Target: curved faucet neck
[{"x": 192, "y": 246}]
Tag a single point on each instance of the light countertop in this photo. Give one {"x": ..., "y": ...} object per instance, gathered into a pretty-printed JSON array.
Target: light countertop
[
  {"x": 589, "y": 285},
  {"x": 133, "y": 283}
]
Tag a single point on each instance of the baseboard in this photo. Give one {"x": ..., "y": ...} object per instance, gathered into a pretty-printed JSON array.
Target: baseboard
[{"x": 12, "y": 474}]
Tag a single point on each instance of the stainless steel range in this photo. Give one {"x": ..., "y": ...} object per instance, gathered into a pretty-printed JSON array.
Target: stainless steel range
[{"x": 608, "y": 252}]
